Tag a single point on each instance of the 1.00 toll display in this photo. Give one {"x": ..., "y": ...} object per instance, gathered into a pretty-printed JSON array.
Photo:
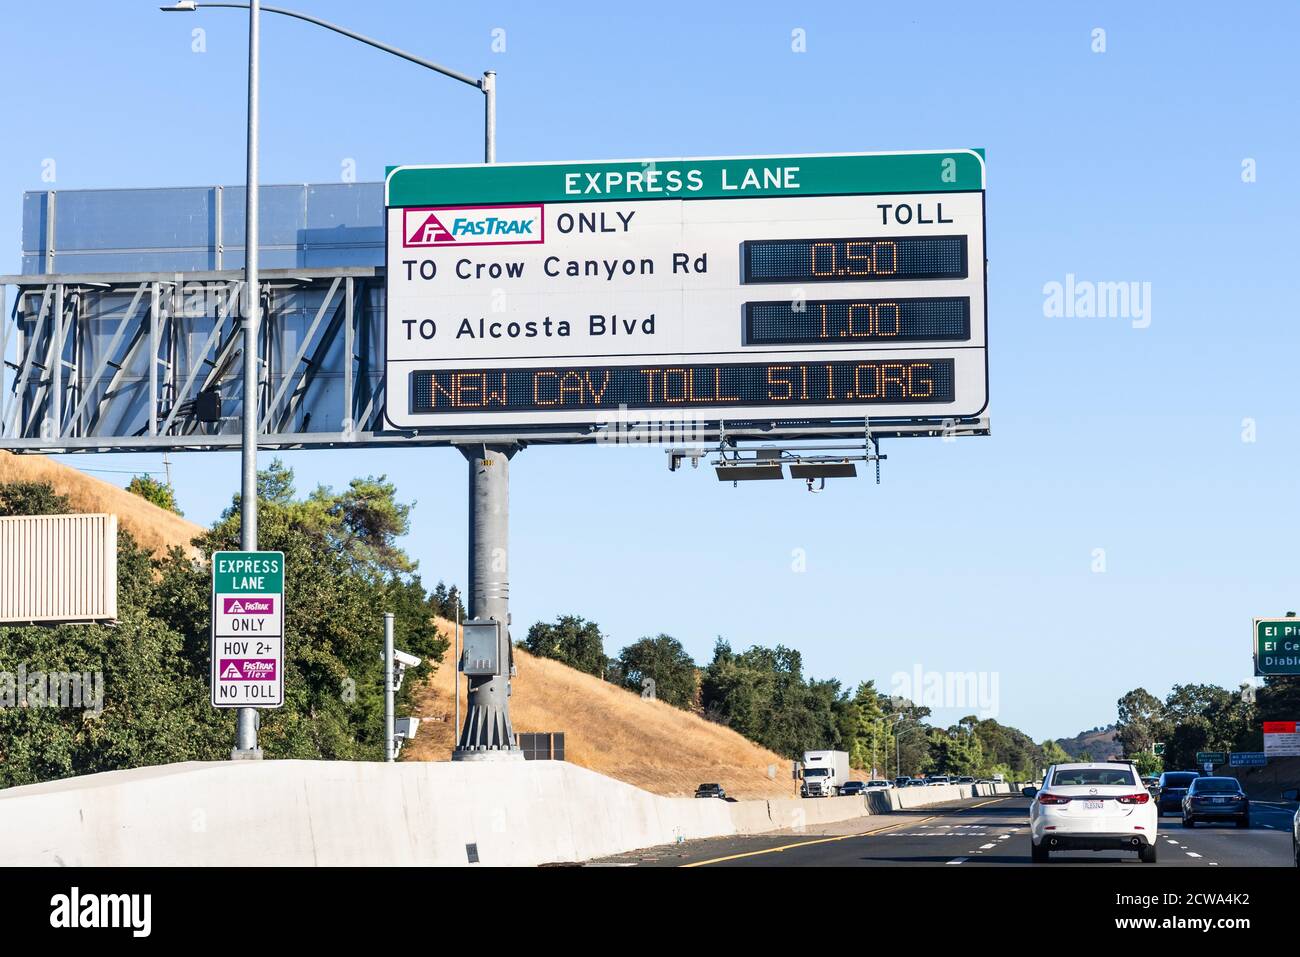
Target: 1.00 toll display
[
  {"x": 854, "y": 260},
  {"x": 664, "y": 387},
  {"x": 848, "y": 321}
]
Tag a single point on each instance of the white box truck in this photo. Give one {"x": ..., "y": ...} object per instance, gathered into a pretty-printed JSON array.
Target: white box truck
[{"x": 824, "y": 773}]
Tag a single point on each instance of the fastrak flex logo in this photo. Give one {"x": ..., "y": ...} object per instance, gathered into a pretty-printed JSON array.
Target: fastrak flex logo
[
  {"x": 247, "y": 669},
  {"x": 248, "y": 606},
  {"x": 472, "y": 225}
]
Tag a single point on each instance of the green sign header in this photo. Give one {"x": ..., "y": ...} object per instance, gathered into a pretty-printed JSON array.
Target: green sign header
[
  {"x": 1277, "y": 646},
  {"x": 247, "y": 573},
  {"x": 1211, "y": 757},
  {"x": 932, "y": 171}
]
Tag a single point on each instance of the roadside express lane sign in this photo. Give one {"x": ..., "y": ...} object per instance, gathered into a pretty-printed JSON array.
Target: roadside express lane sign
[{"x": 247, "y": 629}]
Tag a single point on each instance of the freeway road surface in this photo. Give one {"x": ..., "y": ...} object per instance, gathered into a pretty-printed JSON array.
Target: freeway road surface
[{"x": 977, "y": 832}]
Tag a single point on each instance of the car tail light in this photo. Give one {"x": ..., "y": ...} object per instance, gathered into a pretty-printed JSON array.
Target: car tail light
[
  {"x": 1140, "y": 798},
  {"x": 1052, "y": 799}
]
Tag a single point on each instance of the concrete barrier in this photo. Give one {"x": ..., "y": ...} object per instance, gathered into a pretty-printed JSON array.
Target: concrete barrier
[{"x": 411, "y": 813}]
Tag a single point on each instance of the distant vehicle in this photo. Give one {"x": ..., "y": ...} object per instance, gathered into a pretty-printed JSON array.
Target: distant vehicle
[
  {"x": 824, "y": 772},
  {"x": 850, "y": 788},
  {"x": 880, "y": 784},
  {"x": 965, "y": 780},
  {"x": 902, "y": 782},
  {"x": 916, "y": 783},
  {"x": 937, "y": 779},
  {"x": 1173, "y": 787},
  {"x": 999, "y": 779},
  {"x": 710, "y": 791},
  {"x": 1293, "y": 794},
  {"x": 1092, "y": 807},
  {"x": 1208, "y": 799}
]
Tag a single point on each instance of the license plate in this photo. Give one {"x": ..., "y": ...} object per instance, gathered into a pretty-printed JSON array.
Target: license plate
[
  {"x": 1220, "y": 800},
  {"x": 1092, "y": 805}
]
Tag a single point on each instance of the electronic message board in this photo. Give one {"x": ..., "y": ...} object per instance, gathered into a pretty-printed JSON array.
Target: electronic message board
[{"x": 808, "y": 288}]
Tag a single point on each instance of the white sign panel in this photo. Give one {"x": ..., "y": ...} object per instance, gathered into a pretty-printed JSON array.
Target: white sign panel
[
  {"x": 247, "y": 629},
  {"x": 784, "y": 289}
]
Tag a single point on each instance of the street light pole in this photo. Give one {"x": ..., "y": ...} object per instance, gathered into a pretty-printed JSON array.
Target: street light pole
[
  {"x": 489, "y": 483},
  {"x": 246, "y": 719}
]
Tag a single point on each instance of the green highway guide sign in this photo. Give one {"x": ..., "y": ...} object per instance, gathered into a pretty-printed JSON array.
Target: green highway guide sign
[
  {"x": 1276, "y": 644},
  {"x": 248, "y": 573},
  {"x": 1211, "y": 757},
  {"x": 936, "y": 171}
]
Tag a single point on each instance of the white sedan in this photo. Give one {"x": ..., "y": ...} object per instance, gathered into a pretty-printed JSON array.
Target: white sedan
[{"x": 1092, "y": 807}]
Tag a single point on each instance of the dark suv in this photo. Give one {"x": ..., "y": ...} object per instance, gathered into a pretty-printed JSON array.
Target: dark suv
[
  {"x": 1173, "y": 788},
  {"x": 710, "y": 791},
  {"x": 1211, "y": 799}
]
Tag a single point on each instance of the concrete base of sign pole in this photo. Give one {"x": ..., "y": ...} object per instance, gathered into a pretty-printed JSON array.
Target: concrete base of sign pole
[
  {"x": 488, "y": 754},
  {"x": 252, "y": 754}
]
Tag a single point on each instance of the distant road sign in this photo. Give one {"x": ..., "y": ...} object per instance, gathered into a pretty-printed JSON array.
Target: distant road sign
[
  {"x": 1281, "y": 739},
  {"x": 1276, "y": 646},
  {"x": 247, "y": 629},
  {"x": 1158, "y": 749},
  {"x": 1211, "y": 758},
  {"x": 1248, "y": 759},
  {"x": 797, "y": 288}
]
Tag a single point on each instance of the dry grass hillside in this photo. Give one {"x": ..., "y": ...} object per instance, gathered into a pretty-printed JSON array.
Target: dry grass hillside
[
  {"x": 154, "y": 528},
  {"x": 607, "y": 729}
]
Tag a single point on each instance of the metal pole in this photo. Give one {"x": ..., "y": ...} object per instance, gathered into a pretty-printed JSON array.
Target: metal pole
[
  {"x": 246, "y": 733},
  {"x": 390, "y": 730},
  {"x": 489, "y": 87},
  {"x": 488, "y": 734},
  {"x": 455, "y": 668}
]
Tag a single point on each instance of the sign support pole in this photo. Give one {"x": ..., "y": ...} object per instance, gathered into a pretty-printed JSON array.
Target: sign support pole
[
  {"x": 390, "y": 751},
  {"x": 487, "y": 733},
  {"x": 246, "y": 720}
]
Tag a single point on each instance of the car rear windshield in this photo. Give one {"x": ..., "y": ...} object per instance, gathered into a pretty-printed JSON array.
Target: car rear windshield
[
  {"x": 1097, "y": 776},
  {"x": 1216, "y": 786},
  {"x": 1179, "y": 780}
]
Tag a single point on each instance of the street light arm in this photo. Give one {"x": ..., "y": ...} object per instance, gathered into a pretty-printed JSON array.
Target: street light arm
[{"x": 351, "y": 34}]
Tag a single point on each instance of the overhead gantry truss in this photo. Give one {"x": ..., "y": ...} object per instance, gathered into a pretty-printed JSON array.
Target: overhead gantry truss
[{"x": 136, "y": 361}]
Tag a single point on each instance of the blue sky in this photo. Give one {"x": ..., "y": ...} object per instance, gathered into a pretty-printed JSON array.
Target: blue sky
[{"x": 973, "y": 556}]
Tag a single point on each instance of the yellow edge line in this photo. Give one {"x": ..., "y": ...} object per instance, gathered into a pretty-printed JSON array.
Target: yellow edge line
[
  {"x": 842, "y": 837},
  {"x": 823, "y": 840}
]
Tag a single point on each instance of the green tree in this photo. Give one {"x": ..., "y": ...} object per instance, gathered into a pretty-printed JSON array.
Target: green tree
[
  {"x": 573, "y": 640},
  {"x": 151, "y": 490},
  {"x": 1142, "y": 721},
  {"x": 761, "y": 693},
  {"x": 664, "y": 661},
  {"x": 32, "y": 498}
]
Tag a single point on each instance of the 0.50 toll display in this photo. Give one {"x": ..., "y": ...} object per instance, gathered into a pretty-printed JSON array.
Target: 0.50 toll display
[
  {"x": 854, "y": 260},
  {"x": 660, "y": 387}
]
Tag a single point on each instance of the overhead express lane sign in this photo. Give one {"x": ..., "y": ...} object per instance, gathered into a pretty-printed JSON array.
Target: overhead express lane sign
[
  {"x": 807, "y": 288},
  {"x": 247, "y": 629},
  {"x": 1276, "y": 646}
]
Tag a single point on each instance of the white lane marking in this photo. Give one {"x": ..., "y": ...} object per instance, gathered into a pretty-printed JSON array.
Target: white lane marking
[
  {"x": 1213, "y": 863},
  {"x": 959, "y": 860},
  {"x": 1192, "y": 854},
  {"x": 1004, "y": 837},
  {"x": 1171, "y": 841},
  {"x": 985, "y": 847}
]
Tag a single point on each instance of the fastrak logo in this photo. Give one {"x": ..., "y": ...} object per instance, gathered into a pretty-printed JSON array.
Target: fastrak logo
[
  {"x": 248, "y": 606},
  {"x": 427, "y": 226},
  {"x": 247, "y": 669}
]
